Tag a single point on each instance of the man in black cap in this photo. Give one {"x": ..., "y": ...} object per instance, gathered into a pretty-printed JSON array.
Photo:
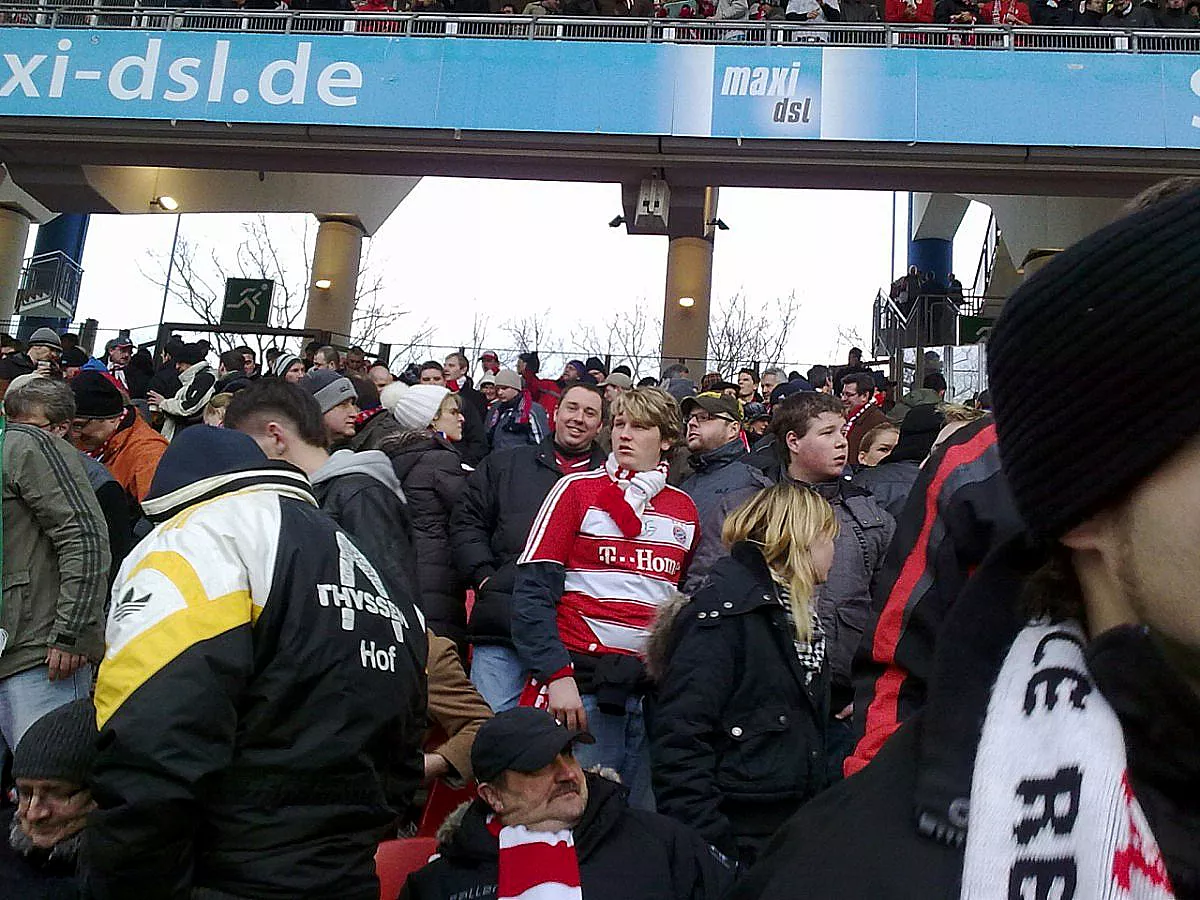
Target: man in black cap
[
  {"x": 721, "y": 479},
  {"x": 42, "y": 355},
  {"x": 40, "y": 840},
  {"x": 1056, "y": 753},
  {"x": 532, "y": 791}
]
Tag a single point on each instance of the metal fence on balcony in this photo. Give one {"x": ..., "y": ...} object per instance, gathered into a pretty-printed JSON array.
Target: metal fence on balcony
[
  {"x": 160, "y": 16},
  {"x": 49, "y": 286}
]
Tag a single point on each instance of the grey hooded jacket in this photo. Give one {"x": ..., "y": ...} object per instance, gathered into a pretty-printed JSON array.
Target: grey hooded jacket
[{"x": 362, "y": 493}]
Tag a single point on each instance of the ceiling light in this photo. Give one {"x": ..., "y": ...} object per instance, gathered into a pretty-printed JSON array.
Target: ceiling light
[
  {"x": 687, "y": 302},
  {"x": 165, "y": 202},
  {"x": 322, "y": 284}
]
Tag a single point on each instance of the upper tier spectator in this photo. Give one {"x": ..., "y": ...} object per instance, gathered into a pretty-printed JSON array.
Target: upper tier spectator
[
  {"x": 271, "y": 742},
  {"x": 1127, "y": 14},
  {"x": 1175, "y": 16},
  {"x": 1004, "y": 12},
  {"x": 490, "y": 525},
  {"x": 537, "y": 804}
]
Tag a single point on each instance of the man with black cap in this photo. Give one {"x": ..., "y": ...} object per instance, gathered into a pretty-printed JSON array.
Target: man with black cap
[
  {"x": 41, "y": 838},
  {"x": 1056, "y": 755},
  {"x": 262, "y": 697},
  {"x": 197, "y": 382},
  {"x": 42, "y": 355},
  {"x": 109, "y": 430},
  {"x": 721, "y": 479},
  {"x": 544, "y": 828}
]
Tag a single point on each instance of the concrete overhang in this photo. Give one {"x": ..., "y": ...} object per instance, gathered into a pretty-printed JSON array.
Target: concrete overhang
[
  {"x": 14, "y": 197},
  {"x": 367, "y": 200}
]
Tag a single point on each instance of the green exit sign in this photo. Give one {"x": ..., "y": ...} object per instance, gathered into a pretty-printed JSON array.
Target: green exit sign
[{"x": 247, "y": 301}]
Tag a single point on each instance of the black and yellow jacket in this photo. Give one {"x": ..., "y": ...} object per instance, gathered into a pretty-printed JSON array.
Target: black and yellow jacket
[{"x": 262, "y": 696}]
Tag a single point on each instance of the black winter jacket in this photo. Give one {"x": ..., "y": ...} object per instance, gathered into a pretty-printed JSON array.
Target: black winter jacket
[
  {"x": 737, "y": 735},
  {"x": 262, "y": 702},
  {"x": 896, "y": 829},
  {"x": 474, "y": 444},
  {"x": 889, "y": 482},
  {"x": 363, "y": 495},
  {"x": 433, "y": 478},
  {"x": 490, "y": 524},
  {"x": 623, "y": 853}
]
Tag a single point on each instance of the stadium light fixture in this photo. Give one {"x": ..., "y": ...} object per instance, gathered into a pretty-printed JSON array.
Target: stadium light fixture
[
  {"x": 165, "y": 202},
  {"x": 322, "y": 284},
  {"x": 687, "y": 302}
]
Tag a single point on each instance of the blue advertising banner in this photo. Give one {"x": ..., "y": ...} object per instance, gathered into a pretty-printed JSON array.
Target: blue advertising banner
[{"x": 806, "y": 92}]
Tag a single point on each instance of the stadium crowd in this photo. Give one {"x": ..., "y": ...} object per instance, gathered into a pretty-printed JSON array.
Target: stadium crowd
[{"x": 769, "y": 635}]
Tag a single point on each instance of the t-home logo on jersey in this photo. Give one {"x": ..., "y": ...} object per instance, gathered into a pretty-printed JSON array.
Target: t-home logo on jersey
[{"x": 770, "y": 97}]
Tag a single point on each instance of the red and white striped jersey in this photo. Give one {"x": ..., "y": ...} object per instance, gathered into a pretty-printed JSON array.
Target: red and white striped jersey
[{"x": 614, "y": 584}]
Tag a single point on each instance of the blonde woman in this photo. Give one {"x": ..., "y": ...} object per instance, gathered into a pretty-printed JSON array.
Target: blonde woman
[{"x": 738, "y": 732}]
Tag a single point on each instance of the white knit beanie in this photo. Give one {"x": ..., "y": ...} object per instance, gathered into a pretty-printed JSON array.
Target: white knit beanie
[{"x": 414, "y": 406}]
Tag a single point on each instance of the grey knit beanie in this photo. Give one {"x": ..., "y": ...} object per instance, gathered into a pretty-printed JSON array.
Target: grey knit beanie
[{"x": 60, "y": 745}]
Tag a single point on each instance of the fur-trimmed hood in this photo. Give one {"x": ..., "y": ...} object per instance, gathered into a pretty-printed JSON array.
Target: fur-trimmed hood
[{"x": 658, "y": 642}]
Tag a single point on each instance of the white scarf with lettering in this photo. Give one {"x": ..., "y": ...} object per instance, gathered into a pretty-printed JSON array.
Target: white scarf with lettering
[{"x": 1052, "y": 811}]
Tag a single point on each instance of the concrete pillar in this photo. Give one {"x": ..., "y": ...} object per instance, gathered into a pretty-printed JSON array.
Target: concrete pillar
[
  {"x": 14, "y": 234},
  {"x": 685, "y": 328},
  {"x": 335, "y": 259}
]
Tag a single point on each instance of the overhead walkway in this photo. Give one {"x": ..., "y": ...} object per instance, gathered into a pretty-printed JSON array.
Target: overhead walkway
[{"x": 1057, "y": 112}]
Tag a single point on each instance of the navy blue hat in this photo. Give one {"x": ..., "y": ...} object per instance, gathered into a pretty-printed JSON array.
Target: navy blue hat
[
  {"x": 785, "y": 390},
  {"x": 200, "y": 452}
]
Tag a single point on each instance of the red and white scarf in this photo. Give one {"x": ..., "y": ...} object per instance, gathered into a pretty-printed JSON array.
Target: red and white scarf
[
  {"x": 536, "y": 865},
  {"x": 1052, "y": 813},
  {"x": 630, "y": 492},
  {"x": 857, "y": 413}
]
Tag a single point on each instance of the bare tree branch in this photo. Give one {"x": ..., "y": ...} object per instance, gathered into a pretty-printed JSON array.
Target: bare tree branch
[{"x": 741, "y": 335}]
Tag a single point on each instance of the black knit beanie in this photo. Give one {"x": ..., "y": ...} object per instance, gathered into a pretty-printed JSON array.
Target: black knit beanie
[
  {"x": 96, "y": 397},
  {"x": 1122, "y": 299},
  {"x": 61, "y": 744}
]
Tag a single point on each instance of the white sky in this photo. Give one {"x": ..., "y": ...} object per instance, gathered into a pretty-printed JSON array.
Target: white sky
[{"x": 509, "y": 249}]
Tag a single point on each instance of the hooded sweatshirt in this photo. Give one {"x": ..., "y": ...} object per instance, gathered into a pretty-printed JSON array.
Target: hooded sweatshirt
[{"x": 348, "y": 488}]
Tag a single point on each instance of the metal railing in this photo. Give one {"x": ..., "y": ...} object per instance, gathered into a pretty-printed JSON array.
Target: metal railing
[
  {"x": 157, "y": 16},
  {"x": 49, "y": 285},
  {"x": 929, "y": 320},
  {"x": 987, "y": 257}
]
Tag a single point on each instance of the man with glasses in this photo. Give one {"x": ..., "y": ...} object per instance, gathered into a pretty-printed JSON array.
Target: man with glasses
[
  {"x": 49, "y": 404},
  {"x": 722, "y": 479},
  {"x": 108, "y": 429},
  {"x": 55, "y": 574},
  {"x": 39, "y": 853},
  {"x": 862, "y": 412}
]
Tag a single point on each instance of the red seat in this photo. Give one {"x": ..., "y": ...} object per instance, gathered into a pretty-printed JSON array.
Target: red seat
[
  {"x": 442, "y": 800},
  {"x": 396, "y": 860}
]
